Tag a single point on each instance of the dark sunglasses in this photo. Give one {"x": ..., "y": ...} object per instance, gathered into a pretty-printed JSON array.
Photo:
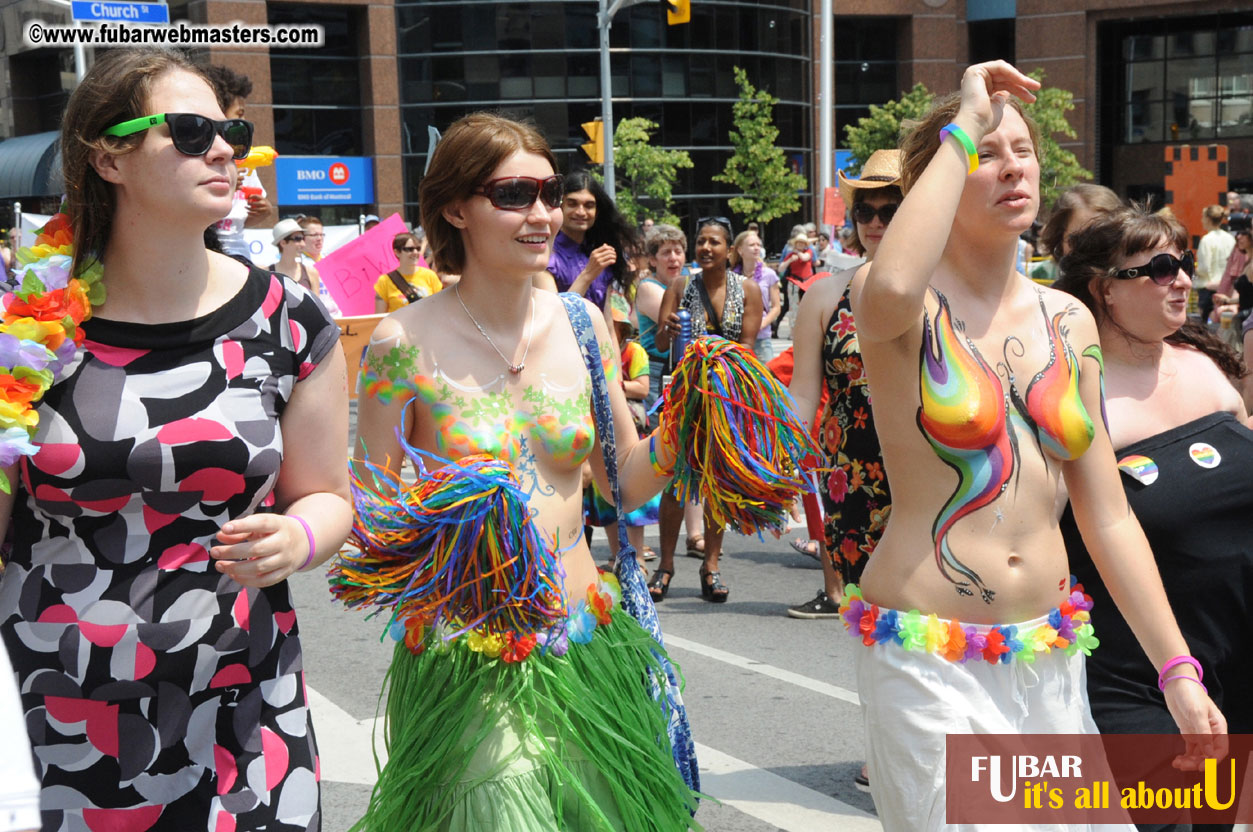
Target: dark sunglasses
[
  {"x": 1161, "y": 269},
  {"x": 193, "y": 134},
  {"x": 410, "y": 249},
  {"x": 864, "y": 212},
  {"x": 518, "y": 193},
  {"x": 295, "y": 238},
  {"x": 722, "y": 221}
]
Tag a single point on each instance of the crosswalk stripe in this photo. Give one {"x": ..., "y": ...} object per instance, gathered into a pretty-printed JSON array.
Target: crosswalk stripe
[{"x": 826, "y": 689}]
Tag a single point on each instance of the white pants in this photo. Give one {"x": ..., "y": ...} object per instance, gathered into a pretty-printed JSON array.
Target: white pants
[{"x": 911, "y": 699}]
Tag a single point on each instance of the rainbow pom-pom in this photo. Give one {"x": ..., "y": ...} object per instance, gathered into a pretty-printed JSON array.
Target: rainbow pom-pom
[
  {"x": 736, "y": 436},
  {"x": 458, "y": 547}
]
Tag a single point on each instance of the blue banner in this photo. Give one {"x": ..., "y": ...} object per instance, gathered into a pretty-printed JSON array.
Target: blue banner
[{"x": 325, "y": 180}]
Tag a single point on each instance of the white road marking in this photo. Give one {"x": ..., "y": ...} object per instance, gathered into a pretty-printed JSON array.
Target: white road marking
[
  {"x": 344, "y": 746},
  {"x": 834, "y": 691},
  {"x": 773, "y": 799}
]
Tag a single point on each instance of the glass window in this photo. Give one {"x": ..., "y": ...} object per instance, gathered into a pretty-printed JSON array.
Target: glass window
[
  {"x": 513, "y": 26},
  {"x": 550, "y": 75},
  {"x": 581, "y": 26},
  {"x": 673, "y": 77},
  {"x": 1191, "y": 76},
  {"x": 645, "y": 76},
  {"x": 549, "y": 29},
  {"x": 445, "y": 27},
  {"x": 450, "y": 78},
  {"x": 415, "y": 80},
  {"x": 1235, "y": 38},
  {"x": 1144, "y": 48},
  {"x": 316, "y": 131},
  {"x": 413, "y": 30},
  {"x": 1145, "y": 82},
  {"x": 1187, "y": 44},
  {"x": 1145, "y": 122},
  {"x": 584, "y": 78},
  {"x": 515, "y": 76},
  {"x": 413, "y": 124}
]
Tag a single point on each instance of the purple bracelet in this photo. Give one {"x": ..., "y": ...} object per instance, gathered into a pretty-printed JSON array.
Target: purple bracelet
[
  {"x": 1175, "y": 662},
  {"x": 313, "y": 548},
  {"x": 1162, "y": 684}
]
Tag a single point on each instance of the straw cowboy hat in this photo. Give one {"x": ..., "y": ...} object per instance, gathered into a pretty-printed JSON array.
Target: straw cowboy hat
[{"x": 882, "y": 169}]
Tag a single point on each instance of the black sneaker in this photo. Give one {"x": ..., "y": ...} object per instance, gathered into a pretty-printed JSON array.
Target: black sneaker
[{"x": 820, "y": 607}]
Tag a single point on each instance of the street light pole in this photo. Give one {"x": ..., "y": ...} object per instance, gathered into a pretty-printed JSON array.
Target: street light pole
[
  {"x": 826, "y": 104},
  {"x": 604, "y": 19}
]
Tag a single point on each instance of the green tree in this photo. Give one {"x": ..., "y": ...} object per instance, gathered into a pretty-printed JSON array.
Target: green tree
[
  {"x": 645, "y": 174},
  {"x": 757, "y": 167},
  {"x": 1059, "y": 168},
  {"x": 881, "y": 130}
]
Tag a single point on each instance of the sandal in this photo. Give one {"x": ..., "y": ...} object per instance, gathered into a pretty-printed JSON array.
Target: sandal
[
  {"x": 809, "y": 548},
  {"x": 657, "y": 588},
  {"x": 712, "y": 588},
  {"x": 696, "y": 546},
  {"x": 648, "y": 553}
]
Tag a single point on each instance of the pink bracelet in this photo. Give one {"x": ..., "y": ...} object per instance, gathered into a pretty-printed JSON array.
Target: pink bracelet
[
  {"x": 309, "y": 534},
  {"x": 1162, "y": 684},
  {"x": 1175, "y": 662}
]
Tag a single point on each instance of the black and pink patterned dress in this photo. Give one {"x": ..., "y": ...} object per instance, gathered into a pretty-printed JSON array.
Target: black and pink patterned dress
[{"x": 160, "y": 694}]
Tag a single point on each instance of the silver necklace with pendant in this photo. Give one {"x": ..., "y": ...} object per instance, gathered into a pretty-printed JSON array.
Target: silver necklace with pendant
[{"x": 513, "y": 368}]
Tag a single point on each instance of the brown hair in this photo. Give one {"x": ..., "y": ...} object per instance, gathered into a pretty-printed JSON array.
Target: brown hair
[
  {"x": 660, "y": 234},
  {"x": 1096, "y": 198},
  {"x": 398, "y": 242},
  {"x": 920, "y": 144},
  {"x": 116, "y": 89},
  {"x": 472, "y": 148},
  {"x": 305, "y": 220},
  {"x": 1098, "y": 248},
  {"x": 890, "y": 191}
]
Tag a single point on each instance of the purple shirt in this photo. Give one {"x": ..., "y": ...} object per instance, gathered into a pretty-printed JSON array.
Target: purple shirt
[
  {"x": 764, "y": 277},
  {"x": 568, "y": 261}
]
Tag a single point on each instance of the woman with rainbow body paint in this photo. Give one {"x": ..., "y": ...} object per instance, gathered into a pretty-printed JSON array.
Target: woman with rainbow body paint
[
  {"x": 1176, "y": 421},
  {"x": 529, "y": 731},
  {"x": 986, "y": 392}
]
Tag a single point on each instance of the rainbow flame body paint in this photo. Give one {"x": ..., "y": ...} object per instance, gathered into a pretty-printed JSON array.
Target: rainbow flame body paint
[
  {"x": 963, "y": 416},
  {"x": 1053, "y": 409}
]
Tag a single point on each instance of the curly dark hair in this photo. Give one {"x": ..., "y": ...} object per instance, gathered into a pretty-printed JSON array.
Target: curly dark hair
[
  {"x": 1098, "y": 247},
  {"x": 610, "y": 227}
]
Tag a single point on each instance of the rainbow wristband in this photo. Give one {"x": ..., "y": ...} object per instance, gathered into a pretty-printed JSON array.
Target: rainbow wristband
[
  {"x": 652, "y": 457},
  {"x": 972, "y": 154},
  {"x": 313, "y": 548}
]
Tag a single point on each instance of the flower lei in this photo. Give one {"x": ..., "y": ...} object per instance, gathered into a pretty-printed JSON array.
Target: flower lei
[
  {"x": 41, "y": 332},
  {"x": 511, "y": 646},
  {"x": 1068, "y": 629}
]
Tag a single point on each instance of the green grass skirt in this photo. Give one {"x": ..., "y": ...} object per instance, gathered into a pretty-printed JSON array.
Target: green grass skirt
[{"x": 571, "y": 743}]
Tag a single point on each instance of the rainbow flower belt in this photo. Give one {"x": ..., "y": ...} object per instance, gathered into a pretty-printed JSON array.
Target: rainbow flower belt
[
  {"x": 1068, "y": 628},
  {"x": 512, "y": 647}
]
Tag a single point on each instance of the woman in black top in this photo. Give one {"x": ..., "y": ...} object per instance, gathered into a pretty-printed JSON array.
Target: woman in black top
[{"x": 1177, "y": 424}]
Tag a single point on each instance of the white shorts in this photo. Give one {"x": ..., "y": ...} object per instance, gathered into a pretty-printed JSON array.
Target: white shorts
[{"x": 911, "y": 699}]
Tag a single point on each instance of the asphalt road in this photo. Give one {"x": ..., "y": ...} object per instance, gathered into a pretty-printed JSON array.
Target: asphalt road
[{"x": 772, "y": 699}]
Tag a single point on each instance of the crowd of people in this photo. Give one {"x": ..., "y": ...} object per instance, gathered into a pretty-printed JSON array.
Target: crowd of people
[{"x": 1065, "y": 462}]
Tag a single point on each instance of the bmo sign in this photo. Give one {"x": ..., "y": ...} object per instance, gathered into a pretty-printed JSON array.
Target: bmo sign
[{"x": 325, "y": 180}]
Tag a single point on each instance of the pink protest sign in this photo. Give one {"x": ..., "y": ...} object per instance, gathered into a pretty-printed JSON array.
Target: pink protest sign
[{"x": 349, "y": 271}]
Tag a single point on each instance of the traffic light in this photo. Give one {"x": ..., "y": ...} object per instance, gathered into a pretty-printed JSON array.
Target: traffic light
[
  {"x": 678, "y": 11},
  {"x": 595, "y": 149}
]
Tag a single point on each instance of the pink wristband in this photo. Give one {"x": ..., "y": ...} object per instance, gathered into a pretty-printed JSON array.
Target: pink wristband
[
  {"x": 313, "y": 548},
  {"x": 1162, "y": 684},
  {"x": 1175, "y": 662}
]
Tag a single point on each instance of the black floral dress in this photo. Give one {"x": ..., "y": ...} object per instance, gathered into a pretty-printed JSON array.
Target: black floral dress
[
  {"x": 159, "y": 693},
  {"x": 855, "y": 496}
]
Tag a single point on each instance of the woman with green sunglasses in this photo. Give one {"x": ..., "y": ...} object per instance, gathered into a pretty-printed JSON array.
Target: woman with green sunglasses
[{"x": 161, "y": 510}]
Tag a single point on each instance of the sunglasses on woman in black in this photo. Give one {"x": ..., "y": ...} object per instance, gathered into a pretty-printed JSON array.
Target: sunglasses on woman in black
[
  {"x": 1161, "y": 269},
  {"x": 864, "y": 212},
  {"x": 191, "y": 133},
  {"x": 518, "y": 193}
]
